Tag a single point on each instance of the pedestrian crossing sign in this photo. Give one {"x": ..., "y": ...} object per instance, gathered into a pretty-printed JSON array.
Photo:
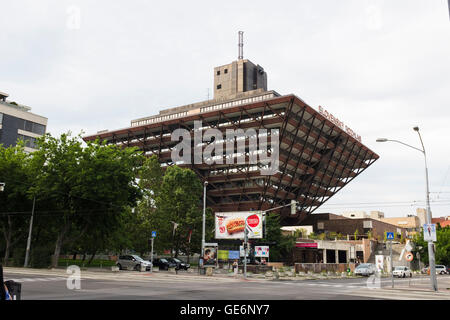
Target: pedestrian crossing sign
[{"x": 390, "y": 235}]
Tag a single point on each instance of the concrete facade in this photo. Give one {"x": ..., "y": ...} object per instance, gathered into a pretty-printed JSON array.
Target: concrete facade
[
  {"x": 17, "y": 122},
  {"x": 237, "y": 77},
  {"x": 328, "y": 222},
  {"x": 410, "y": 223},
  {"x": 338, "y": 251}
]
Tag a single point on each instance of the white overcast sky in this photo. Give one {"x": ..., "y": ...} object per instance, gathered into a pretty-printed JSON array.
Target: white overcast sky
[{"x": 381, "y": 67}]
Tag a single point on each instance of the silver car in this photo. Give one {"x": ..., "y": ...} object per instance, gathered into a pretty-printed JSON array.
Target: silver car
[
  {"x": 440, "y": 269},
  {"x": 365, "y": 269},
  {"x": 132, "y": 262}
]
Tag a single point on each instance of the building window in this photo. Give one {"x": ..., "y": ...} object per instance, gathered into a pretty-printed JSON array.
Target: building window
[
  {"x": 225, "y": 71},
  {"x": 218, "y": 72},
  {"x": 219, "y": 86}
]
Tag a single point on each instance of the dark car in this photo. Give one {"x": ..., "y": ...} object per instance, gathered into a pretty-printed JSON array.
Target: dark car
[
  {"x": 179, "y": 264},
  {"x": 163, "y": 264}
]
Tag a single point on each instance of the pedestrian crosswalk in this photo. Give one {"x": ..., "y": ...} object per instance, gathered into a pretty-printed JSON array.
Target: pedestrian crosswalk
[{"x": 20, "y": 280}]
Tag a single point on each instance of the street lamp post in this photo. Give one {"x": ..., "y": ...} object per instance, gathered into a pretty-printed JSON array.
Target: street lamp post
[
  {"x": 430, "y": 243},
  {"x": 204, "y": 218},
  {"x": 27, "y": 253}
]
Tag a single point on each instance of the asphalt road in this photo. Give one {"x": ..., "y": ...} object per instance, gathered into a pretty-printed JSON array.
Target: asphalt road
[{"x": 47, "y": 285}]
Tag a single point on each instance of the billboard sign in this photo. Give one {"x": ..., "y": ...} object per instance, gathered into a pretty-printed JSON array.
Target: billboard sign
[
  {"x": 242, "y": 251},
  {"x": 210, "y": 256},
  {"x": 429, "y": 232},
  {"x": 233, "y": 255},
  {"x": 379, "y": 259},
  {"x": 222, "y": 254},
  {"x": 231, "y": 225},
  {"x": 262, "y": 251}
]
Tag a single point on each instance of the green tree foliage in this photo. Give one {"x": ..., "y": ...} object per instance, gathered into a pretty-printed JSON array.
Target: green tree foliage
[
  {"x": 172, "y": 206},
  {"x": 442, "y": 246},
  {"x": 15, "y": 200},
  {"x": 88, "y": 187}
]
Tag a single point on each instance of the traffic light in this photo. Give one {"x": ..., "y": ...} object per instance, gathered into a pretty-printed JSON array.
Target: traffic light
[{"x": 293, "y": 207}]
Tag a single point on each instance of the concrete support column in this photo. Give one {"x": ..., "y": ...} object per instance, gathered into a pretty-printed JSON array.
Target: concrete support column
[
  {"x": 324, "y": 255},
  {"x": 337, "y": 255},
  {"x": 348, "y": 256}
]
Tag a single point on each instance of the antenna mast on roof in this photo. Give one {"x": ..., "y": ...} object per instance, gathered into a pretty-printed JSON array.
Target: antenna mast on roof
[{"x": 241, "y": 45}]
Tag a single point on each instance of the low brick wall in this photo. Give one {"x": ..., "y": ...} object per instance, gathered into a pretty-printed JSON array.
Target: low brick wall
[
  {"x": 323, "y": 267},
  {"x": 275, "y": 264},
  {"x": 256, "y": 269}
]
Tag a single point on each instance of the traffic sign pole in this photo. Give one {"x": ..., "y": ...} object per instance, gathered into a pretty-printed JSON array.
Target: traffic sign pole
[
  {"x": 151, "y": 259},
  {"x": 151, "y": 255},
  {"x": 392, "y": 271}
]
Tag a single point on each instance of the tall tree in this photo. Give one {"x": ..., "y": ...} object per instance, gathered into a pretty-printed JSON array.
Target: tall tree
[
  {"x": 15, "y": 202},
  {"x": 173, "y": 207},
  {"x": 89, "y": 187}
]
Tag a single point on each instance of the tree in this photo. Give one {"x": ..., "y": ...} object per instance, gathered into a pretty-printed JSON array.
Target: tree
[
  {"x": 15, "y": 202},
  {"x": 88, "y": 187},
  {"x": 442, "y": 246},
  {"x": 172, "y": 207},
  {"x": 178, "y": 206}
]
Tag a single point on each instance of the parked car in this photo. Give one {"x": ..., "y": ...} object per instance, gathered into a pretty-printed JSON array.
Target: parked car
[
  {"x": 163, "y": 264},
  {"x": 179, "y": 264},
  {"x": 441, "y": 269},
  {"x": 402, "y": 272},
  {"x": 365, "y": 269},
  {"x": 132, "y": 262}
]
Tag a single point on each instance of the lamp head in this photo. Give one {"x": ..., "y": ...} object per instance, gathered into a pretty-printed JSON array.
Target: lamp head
[
  {"x": 206, "y": 183},
  {"x": 416, "y": 129},
  {"x": 382, "y": 140}
]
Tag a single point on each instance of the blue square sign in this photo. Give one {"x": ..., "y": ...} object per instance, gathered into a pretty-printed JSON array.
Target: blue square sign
[
  {"x": 390, "y": 235},
  {"x": 153, "y": 234}
]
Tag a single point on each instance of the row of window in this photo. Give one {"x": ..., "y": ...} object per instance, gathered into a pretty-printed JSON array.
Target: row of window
[
  {"x": 224, "y": 71},
  {"x": 28, "y": 125},
  {"x": 237, "y": 103},
  {"x": 158, "y": 119},
  {"x": 31, "y": 126}
]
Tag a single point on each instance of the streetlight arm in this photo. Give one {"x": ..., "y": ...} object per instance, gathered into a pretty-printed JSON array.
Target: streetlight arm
[{"x": 423, "y": 151}]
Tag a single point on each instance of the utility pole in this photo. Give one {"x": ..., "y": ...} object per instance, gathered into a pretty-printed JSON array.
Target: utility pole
[
  {"x": 27, "y": 254},
  {"x": 431, "y": 251}
]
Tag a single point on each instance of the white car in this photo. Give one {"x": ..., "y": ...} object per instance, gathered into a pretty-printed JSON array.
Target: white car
[
  {"x": 440, "y": 269},
  {"x": 402, "y": 272}
]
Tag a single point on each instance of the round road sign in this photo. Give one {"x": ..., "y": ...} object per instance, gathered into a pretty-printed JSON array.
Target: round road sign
[{"x": 409, "y": 256}]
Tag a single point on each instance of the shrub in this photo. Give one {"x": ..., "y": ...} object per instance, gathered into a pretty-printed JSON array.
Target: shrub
[
  {"x": 18, "y": 257},
  {"x": 41, "y": 257}
]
